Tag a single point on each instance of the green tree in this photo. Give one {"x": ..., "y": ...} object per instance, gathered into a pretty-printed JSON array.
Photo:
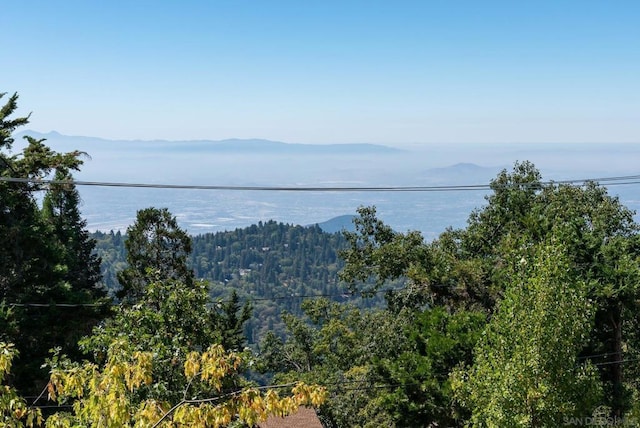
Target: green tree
[
  {"x": 170, "y": 320},
  {"x": 60, "y": 209},
  {"x": 382, "y": 368},
  {"x": 33, "y": 265},
  {"x": 376, "y": 253},
  {"x": 464, "y": 269},
  {"x": 256, "y": 262},
  {"x": 526, "y": 370},
  {"x": 231, "y": 320},
  {"x": 599, "y": 234},
  {"x": 157, "y": 248},
  {"x": 77, "y": 263},
  {"x": 167, "y": 311},
  {"x": 419, "y": 391}
]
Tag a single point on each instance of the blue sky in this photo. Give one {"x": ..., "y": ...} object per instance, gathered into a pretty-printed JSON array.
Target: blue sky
[{"x": 392, "y": 72}]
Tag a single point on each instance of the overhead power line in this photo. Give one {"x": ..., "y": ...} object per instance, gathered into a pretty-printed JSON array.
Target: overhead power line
[
  {"x": 59, "y": 305},
  {"x": 620, "y": 180},
  {"x": 343, "y": 295}
]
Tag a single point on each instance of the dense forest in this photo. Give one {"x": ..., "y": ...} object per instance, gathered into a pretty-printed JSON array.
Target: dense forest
[
  {"x": 527, "y": 317},
  {"x": 273, "y": 266}
]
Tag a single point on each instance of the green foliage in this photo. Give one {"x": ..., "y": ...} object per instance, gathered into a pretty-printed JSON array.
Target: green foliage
[
  {"x": 45, "y": 257},
  {"x": 598, "y": 233},
  {"x": 157, "y": 248},
  {"x": 171, "y": 319},
  {"x": 230, "y": 322},
  {"x": 526, "y": 370},
  {"x": 7, "y": 124},
  {"x": 381, "y": 367},
  {"x": 60, "y": 209},
  {"x": 110, "y": 249},
  {"x": 78, "y": 266},
  {"x": 14, "y": 412},
  {"x": 270, "y": 260},
  {"x": 553, "y": 269},
  {"x": 166, "y": 311},
  {"x": 436, "y": 342},
  {"x": 376, "y": 252},
  {"x": 467, "y": 268},
  {"x": 436, "y": 272},
  {"x": 269, "y": 264}
]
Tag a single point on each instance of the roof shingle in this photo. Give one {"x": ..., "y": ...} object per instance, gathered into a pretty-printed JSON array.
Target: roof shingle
[{"x": 305, "y": 417}]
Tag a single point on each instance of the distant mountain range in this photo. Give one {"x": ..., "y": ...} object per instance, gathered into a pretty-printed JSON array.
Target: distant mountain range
[{"x": 232, "y": 145}]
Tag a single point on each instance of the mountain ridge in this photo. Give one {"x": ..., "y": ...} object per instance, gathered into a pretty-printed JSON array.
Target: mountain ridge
[{"x": 229, "y": 145}]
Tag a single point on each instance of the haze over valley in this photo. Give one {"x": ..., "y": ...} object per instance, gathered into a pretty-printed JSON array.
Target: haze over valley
[{"x": 269, "y": 164}]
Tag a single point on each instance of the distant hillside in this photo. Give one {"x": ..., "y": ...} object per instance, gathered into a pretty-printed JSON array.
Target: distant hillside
[
  {"x": 338, "y": 224},
  {"x": 273, "y": 265}
]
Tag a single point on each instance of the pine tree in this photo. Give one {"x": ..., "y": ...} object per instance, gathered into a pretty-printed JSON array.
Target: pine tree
[
  {"x": 77, "y": 249},
  {"x": 157, "y": 248},
  {"x": 231, "y": 320},
  {"x": 35, "y": 263},
  {"x": 77, "y": 264}
]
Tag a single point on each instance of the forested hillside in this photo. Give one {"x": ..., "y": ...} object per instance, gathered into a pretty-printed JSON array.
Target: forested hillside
[{"x": 274, "y": 266}]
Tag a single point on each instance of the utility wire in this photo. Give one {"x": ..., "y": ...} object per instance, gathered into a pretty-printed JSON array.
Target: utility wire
[
  {"x": 333, "y": 387},
  {"x": 619, "y": 180},
  {"x": 59, "y": 305},
  {"x": 344, "y": 295},
  {"x": 605, "y": 355},
  {"x": 628, "y": 360}
]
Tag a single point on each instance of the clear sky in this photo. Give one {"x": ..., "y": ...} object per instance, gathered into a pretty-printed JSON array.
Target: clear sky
[{"x": 327, "y": 71}]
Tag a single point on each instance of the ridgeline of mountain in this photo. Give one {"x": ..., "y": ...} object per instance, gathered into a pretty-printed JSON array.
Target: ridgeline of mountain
[
  {"x": 273, "y": 265},
  {"x": 234, "y": 145},
  {"x": 460, "y": 168}
]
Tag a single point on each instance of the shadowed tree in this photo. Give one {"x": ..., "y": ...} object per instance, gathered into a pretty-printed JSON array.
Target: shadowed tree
[
  {"x": 157, "y": 248},
  {"x": 38, "y": 265}
]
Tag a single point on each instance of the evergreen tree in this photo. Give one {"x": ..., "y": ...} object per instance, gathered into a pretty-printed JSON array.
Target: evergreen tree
[
  {"x": 231, "y": 320},
  {"x": 60, "y": 209},
  {"x": 157, "y": 248},
  {"x": 167, "y": 311},
  {"x": 37, "y": 269},
  {"x": 77, "y": 264}
]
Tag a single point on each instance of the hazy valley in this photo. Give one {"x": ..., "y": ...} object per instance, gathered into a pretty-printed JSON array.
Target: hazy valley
[{"x": 265, "y": 163}]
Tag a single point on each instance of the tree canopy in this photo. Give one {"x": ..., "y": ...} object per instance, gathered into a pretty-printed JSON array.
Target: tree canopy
[
  {"x": 46, "y": 256},
  {"x": 545, "y": 274}
]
